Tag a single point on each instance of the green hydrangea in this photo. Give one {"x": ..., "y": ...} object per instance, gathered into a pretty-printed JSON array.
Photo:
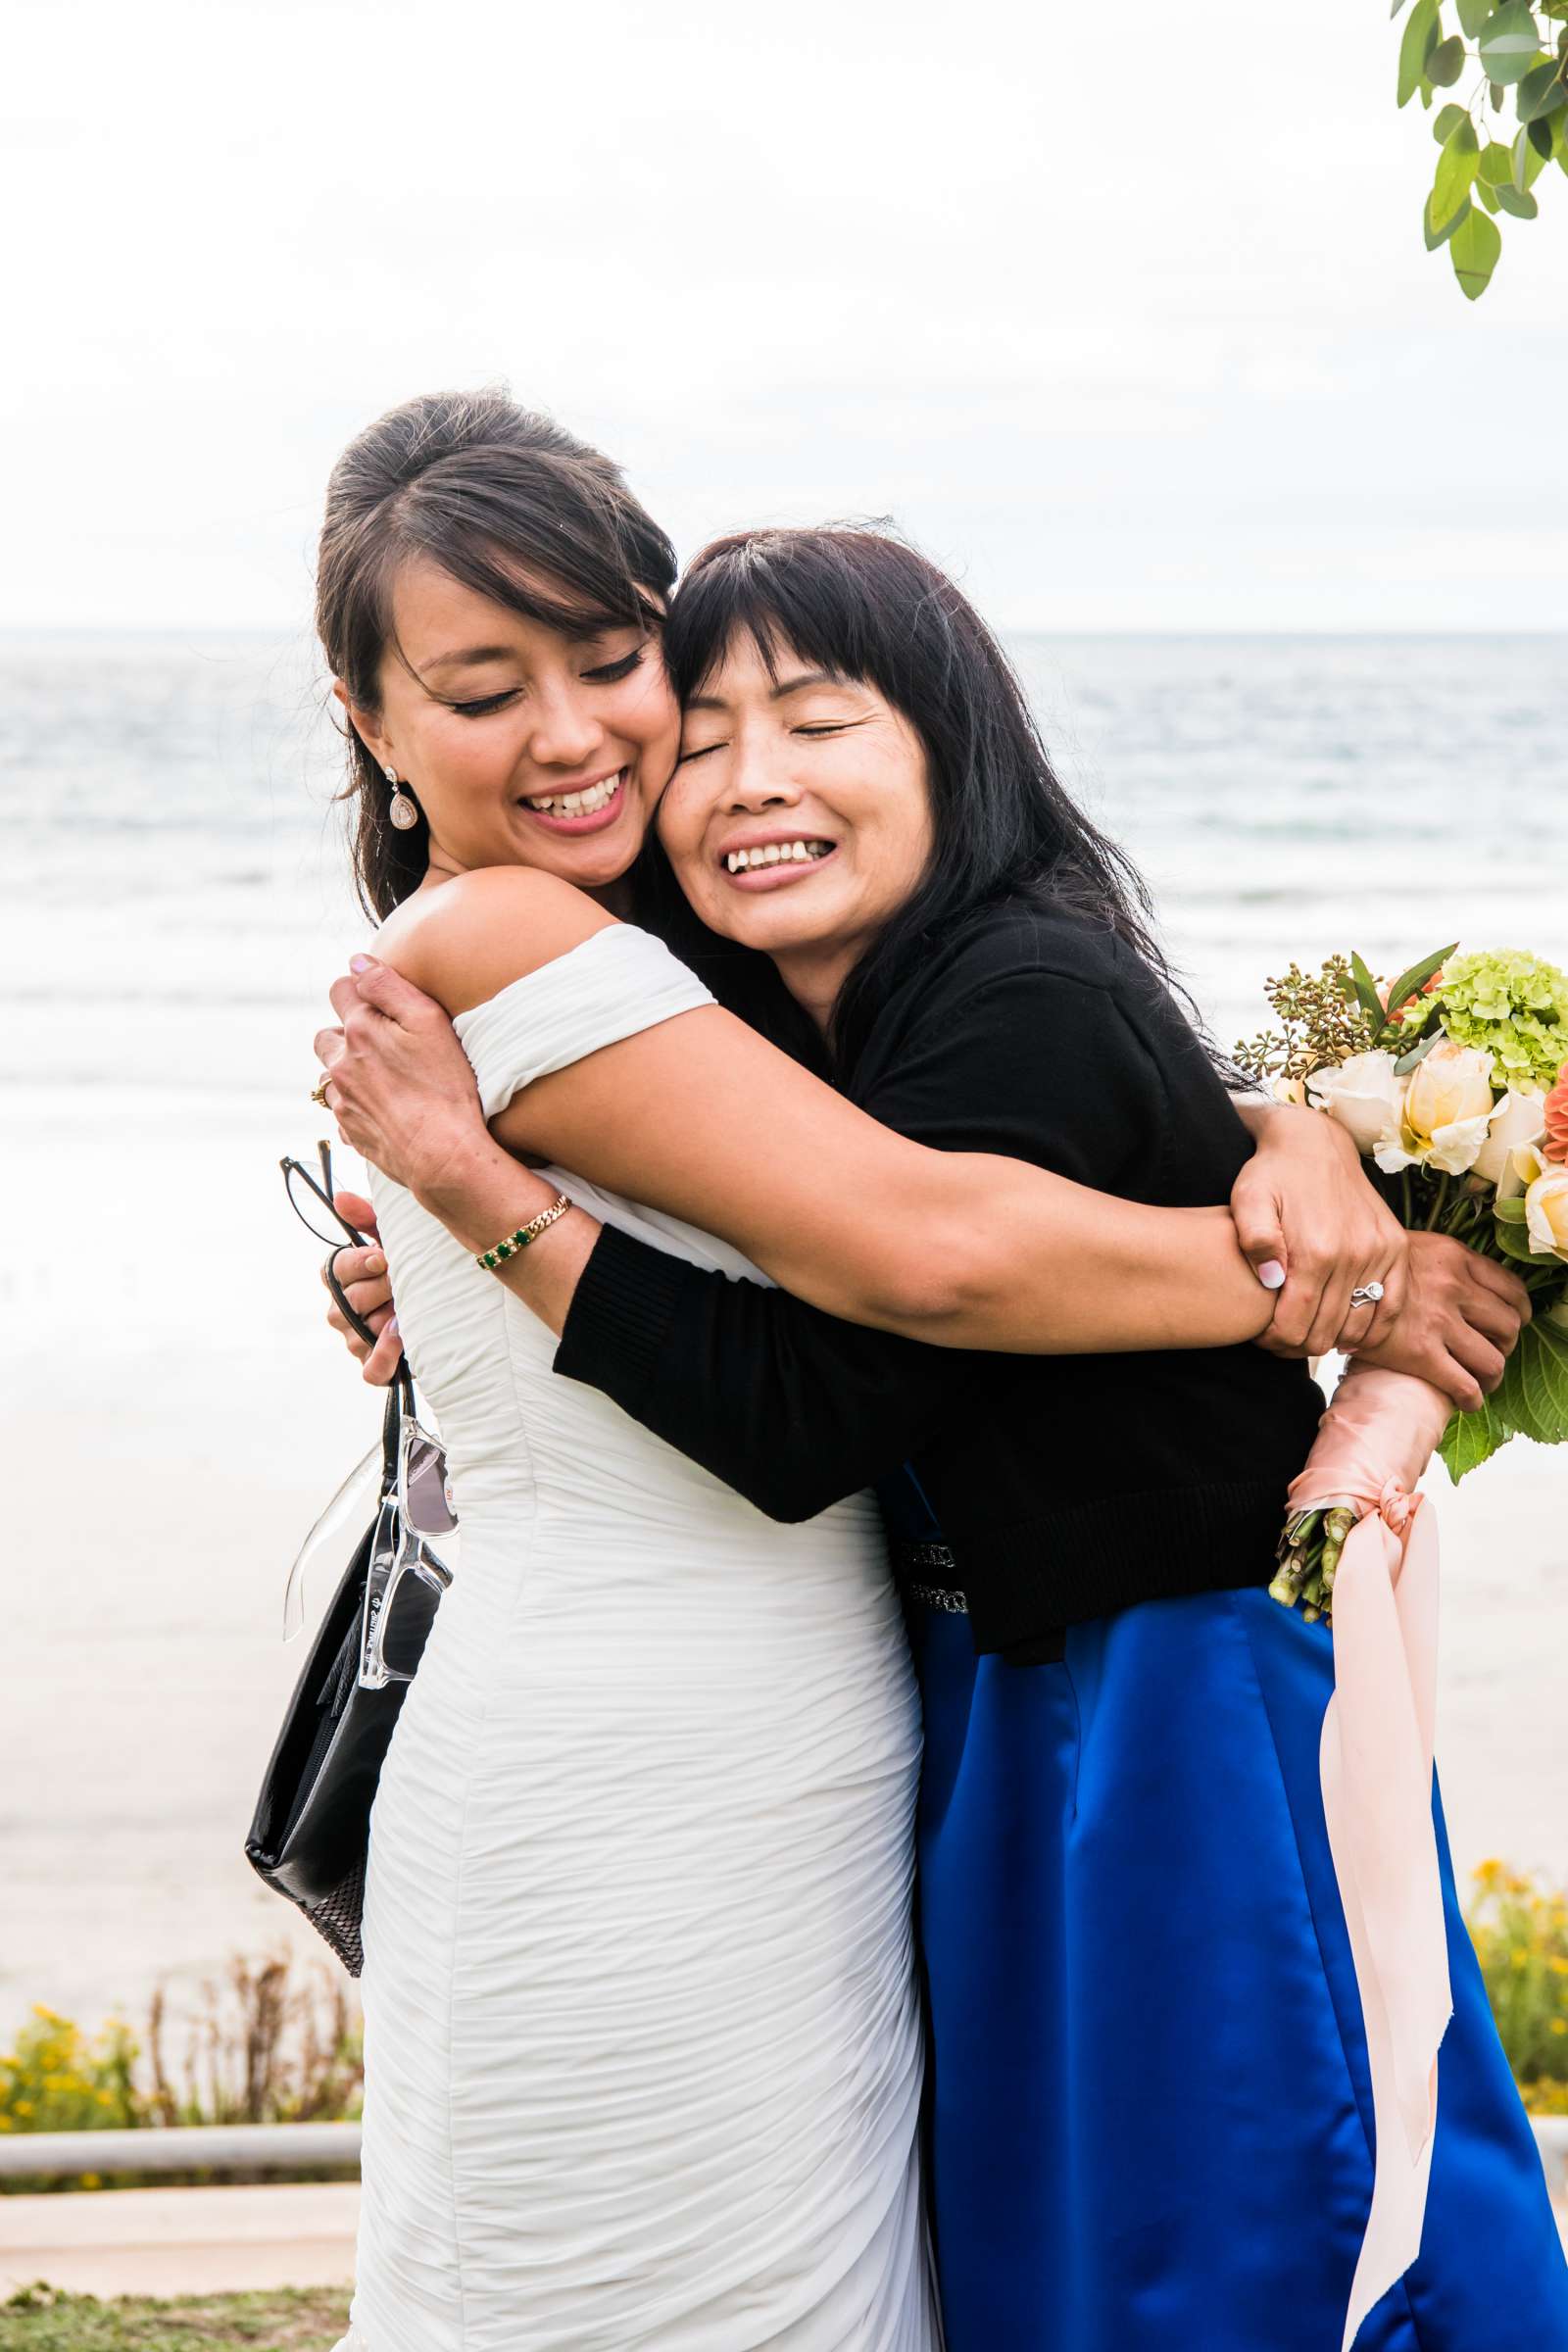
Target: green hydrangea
[{"x": 1515, "y": 1007}]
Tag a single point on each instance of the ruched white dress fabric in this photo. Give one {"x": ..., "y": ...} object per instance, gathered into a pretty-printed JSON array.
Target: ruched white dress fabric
[{"x": 643, "y": 2056}]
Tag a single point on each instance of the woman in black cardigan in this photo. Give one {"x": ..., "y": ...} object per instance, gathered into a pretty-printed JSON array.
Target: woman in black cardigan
[{"x": 1150, "y": 2103}]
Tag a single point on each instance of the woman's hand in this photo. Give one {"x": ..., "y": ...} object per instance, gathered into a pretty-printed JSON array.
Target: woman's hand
[
  {"x": 363, "y": 1277},
  {"x": 1303, "y": 1204},
  {"x": 399, "y": 1085},
  {"x": 1461, "y": 1321}
]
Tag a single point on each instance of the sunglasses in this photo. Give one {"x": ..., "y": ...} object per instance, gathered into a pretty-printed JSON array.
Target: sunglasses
[{"x": 404, "y": 1580}]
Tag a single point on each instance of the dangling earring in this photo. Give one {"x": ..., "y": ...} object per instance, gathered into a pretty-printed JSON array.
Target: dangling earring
[{"x": 404, "y": 809}]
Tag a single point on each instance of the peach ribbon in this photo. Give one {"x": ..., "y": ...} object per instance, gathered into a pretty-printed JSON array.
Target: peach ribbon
[{"x": 1375, "y": 1760}]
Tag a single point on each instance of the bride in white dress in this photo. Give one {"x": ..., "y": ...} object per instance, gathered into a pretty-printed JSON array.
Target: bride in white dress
[
  {"x": 642, "y": 2043},
  {"x": 643, "y": 2050}
]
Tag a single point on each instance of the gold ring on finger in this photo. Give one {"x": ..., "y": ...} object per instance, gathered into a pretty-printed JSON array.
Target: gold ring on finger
[{"x": 319, "y": 1091}]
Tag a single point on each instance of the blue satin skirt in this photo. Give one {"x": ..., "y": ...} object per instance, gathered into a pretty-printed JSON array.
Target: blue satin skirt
[{"x": 1151, "y": 2112}]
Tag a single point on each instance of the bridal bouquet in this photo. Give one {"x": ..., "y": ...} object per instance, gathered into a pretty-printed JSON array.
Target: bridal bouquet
[{"x": 1453, "y": 1082}]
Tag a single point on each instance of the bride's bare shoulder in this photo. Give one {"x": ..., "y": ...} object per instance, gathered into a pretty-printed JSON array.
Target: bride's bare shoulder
[{"x": 465, "y": 940}]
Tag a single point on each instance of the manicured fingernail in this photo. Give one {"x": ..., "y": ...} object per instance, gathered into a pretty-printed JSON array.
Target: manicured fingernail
[
  {"x": 359, "y": 963},
  {"x": 1271, "y": 1274},
  {"x": 376, "y": 1263},
  {"x": 391, "y": 1323}
]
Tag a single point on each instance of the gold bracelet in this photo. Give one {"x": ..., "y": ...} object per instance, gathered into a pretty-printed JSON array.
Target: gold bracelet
[{"x": 491, "y": 1258}]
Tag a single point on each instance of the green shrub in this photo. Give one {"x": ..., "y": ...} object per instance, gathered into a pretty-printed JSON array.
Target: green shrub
[
  {"x": 270, "y": 2046},
  {"x": 1519, "y": 1927}
]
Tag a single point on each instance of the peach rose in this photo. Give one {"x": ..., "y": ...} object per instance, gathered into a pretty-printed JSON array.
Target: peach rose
[{"x": 1555, "y": 1145}]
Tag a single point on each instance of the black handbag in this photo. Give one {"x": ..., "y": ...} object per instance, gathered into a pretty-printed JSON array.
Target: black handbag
[{"x": 311, "y": 1831}]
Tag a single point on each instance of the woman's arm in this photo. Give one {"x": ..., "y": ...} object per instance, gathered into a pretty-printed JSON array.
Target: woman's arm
[
  {"x": 704, "y": 1119},
  {"x": 790, "y": 1407}
]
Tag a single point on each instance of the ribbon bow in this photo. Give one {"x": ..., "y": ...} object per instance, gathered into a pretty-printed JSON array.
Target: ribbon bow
[{"x": 1375, "y": 1761}]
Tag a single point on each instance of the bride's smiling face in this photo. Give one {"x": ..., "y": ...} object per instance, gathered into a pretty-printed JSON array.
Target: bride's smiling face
[
  {"x": 799, "y": 818},
  {"x": 523, "y": 746}
]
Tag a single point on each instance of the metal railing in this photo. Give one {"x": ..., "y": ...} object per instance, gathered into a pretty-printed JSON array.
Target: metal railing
[
  {"x": 290, "y": 2147},
  {"x": 203, "y": 2147}
]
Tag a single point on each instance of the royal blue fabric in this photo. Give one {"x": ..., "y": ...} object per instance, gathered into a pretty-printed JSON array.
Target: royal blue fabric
[{"x": 1149, "y": 2106}]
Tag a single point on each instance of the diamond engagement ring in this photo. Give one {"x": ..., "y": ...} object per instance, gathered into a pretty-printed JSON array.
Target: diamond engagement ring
[{"x": 1367, "y": 1294}]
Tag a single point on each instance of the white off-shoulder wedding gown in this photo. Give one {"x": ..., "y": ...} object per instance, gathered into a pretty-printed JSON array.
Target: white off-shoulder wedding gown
[{"x": 642, "y": 2055}]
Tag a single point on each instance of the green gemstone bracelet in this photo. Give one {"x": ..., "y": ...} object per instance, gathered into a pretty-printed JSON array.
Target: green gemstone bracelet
[{"x": 490, "y": 1259}]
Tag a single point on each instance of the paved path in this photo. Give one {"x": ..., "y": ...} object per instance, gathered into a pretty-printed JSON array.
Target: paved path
[
  {"x": 181, "y": 2241},
  {"x": 190, "y": 2241}
]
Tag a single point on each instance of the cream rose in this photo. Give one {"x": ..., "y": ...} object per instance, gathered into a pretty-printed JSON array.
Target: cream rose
[
  {"x": 1546, "y": 1203},
  {"x": 1519, "y": 1121},
  {"x": 1364, "y": 1095},
  {"x": 1448, "y": 1110}
]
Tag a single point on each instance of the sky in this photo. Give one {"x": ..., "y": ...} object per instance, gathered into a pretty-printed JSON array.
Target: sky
[{"x": 1124, "y": 314}]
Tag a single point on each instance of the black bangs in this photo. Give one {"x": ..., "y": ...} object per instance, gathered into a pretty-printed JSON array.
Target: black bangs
[
  {"x": 861, "y": 603},
  {"x": 492, "y": 525},
  {"x": 799, "y": 592}
]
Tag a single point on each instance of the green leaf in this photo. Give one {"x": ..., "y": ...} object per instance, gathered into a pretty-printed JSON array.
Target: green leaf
[
  {"x": 1540, "y": 92},
  {"x": 1510, "y": 1212},
  {"x": 1448, "y": 119},
  {"x": 1473, "y": 14},
  {"x": 1541, "y": 137},
  {"x": 1412, "y": 982},
  {"x": 1367, "y": 987},
  {"x": 1477, "y": 249},
  {"x": 1522, "y": 206},
  {"x": 1487, "y": 196},
  {"x": 1497, "y": 162},
  {"x": 1443, "y": 237},
  {"x": 1394, "y": 9},
  {"x": 1417, "y": 1054},
  {"x": 1419, "y": 40},
  {"x": 1512, "y": 1240},
  {"x": 1447, "y": 63},
  {"x": 1537, "y": 1384},
  {"x": 1528, "y": 161},
  {"x": 1509, "y": 43},
  {"x": 1456, "y": 171},
  {"x": 1472, "y": 1438}
]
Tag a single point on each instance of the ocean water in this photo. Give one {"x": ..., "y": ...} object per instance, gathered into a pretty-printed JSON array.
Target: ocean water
[{"x": 175, "y": 905}]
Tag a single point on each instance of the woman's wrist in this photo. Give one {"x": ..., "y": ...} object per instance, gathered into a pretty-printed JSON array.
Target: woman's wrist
[{"x": 480, "y": 1192}]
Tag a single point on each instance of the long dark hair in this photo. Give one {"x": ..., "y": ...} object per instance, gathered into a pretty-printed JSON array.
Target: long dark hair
[
  {"x": 862, "y": 604},
  {"x": 505, "y": 502}
]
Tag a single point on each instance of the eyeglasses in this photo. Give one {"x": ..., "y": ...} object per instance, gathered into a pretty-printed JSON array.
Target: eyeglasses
[
  {"x": 313, "y": 1205},
  {"x": 404, "y": 1578}
]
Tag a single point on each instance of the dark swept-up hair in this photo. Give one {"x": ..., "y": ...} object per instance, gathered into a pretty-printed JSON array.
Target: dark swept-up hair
[
  {"x": 862, "y": 604},
  {"x": 508, "y": 504}
]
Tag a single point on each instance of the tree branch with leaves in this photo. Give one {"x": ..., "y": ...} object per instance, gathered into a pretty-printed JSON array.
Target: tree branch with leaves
[{"x": 1513, "y": 123}]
